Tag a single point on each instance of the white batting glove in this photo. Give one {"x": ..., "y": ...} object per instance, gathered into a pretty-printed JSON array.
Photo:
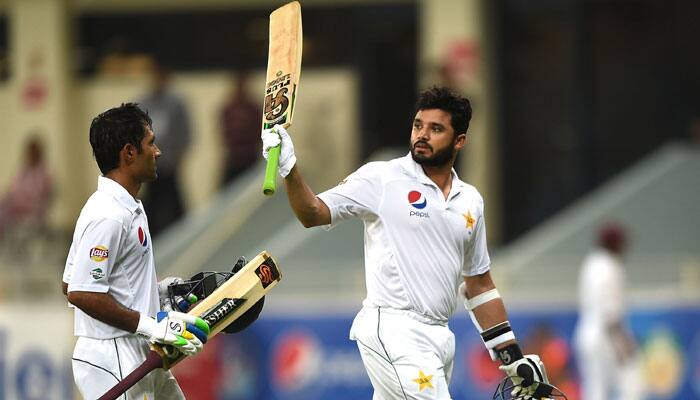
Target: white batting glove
[
  {"x": 272, "y": 138},
  {"x": 527, "y": 373},
  {"x": 186, "y": 333}
]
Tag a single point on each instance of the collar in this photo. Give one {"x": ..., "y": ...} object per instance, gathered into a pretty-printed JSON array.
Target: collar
[
  {"x": 118, "y": 192},
  {"x": 415, "y": 170}
]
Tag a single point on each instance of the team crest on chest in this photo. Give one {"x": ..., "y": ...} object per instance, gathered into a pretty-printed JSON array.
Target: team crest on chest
[{"x": 469, "y": 220}]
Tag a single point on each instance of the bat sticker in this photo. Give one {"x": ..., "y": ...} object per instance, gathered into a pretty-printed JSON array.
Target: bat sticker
[
  {"x": 267, "y": 272},
  {"x": 219, "y": 312}
]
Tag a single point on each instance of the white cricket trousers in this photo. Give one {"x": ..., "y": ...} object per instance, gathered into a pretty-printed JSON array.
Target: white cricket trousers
[
  {"x": 98, "y": 364},
  {"x": 603, "y": 377},
  {"x": 405, "y": 357}
]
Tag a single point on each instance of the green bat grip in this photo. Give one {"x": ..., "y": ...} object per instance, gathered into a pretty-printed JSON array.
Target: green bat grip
[{"x": 273, "y": 158}]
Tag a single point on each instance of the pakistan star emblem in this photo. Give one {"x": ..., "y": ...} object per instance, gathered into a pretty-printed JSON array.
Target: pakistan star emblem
[
  {"x": 423, "y": 381},
  {"x": 470, "y": 220}
]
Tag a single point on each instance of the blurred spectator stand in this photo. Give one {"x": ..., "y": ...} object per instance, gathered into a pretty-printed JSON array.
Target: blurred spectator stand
[
  {"x": 240, "y": 129},
  {"x": 171, "y": 124},
  {"x": 26, "y": 239}
]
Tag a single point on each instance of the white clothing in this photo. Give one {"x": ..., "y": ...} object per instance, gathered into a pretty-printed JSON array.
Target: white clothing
[
  {"x": 99, "y": 364},
  {"x": 404, "y": 357},
  {"x": 601, "y": 297},
  {"x": 112, "y": 253},
  {"x": 418, "y": 246},
  {"x": 601, "y": 290}
]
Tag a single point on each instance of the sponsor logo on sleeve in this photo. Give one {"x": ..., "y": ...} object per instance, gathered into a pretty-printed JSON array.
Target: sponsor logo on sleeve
[
  {"x": 99, "y": 253},
  {"x": 97, "y": 273}
]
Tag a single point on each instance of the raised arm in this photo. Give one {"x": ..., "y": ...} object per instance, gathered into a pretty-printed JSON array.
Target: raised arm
[{"x": 308, "y": 208}]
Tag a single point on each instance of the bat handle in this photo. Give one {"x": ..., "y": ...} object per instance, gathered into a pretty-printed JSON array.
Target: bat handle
[
  {"x": 153, "y": 361},
  {"x": 273, "y": 159}
]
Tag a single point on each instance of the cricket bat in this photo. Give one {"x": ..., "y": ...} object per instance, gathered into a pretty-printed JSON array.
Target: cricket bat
[
  {"x": 282, "y": 79},
  {"x": 228, "y": 302}
]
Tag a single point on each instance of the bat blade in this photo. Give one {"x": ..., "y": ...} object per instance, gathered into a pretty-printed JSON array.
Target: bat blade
[
  {"x": 228, "y": 302},
  {"x": 282, "y": 79},
  {"x": 251, "y": 283}
]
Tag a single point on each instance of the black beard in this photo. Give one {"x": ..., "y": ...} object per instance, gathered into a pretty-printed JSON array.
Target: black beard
[{"x": 438, "y": 159}]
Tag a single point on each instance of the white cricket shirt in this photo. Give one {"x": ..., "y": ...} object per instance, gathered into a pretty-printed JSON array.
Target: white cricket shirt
[
  {"x": 418, "y": 245},
  {"x": 601, "y": 291},
  {"x": 112, "y": 253}
]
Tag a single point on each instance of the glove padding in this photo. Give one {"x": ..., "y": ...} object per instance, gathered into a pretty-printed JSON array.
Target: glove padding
[
  {"x": 527, "y": 373},
  {"x": 273, "y": 137},
  {"x": 184, "y": 332}
]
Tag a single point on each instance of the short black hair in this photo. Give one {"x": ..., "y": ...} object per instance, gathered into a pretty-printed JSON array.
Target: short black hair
[
  {"x": 113, "y": 129},
  {"x": 443, "y": 98}
]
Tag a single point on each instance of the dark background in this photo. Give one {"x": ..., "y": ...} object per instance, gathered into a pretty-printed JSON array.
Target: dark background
[
  {"x": 379, "y": 42},
  {"x": 587, "y": 87},
  {"x": 4, "y": 43}
]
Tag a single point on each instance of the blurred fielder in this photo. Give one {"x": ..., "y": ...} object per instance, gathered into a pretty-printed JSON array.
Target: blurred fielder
[
  {"x": 606, "y": 350},
  {"x": 110, "y": 275},
  {"x": 425, "y": 244}
]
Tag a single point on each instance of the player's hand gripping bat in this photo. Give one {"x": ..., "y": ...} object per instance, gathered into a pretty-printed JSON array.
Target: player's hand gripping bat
[
  {"x": 222, "y": 307},
  {"x": 282, "y": 81}
]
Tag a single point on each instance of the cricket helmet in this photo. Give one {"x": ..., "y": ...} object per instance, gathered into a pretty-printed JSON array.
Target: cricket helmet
[{"x": 543, "y": 391}]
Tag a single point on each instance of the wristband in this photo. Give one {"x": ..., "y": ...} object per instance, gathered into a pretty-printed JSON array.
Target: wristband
[
  {"x": 509, "y": 354},
  {"x": 497, "y": 335}
]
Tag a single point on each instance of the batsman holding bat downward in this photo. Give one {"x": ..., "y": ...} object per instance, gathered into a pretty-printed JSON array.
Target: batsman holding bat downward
[
  {"x": 425, "y": 247},
  {"x": 110, "y": 275}
]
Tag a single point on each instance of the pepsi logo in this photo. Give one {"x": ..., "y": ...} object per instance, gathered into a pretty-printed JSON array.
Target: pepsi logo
[
  {"x": 417, "y": 200},
  {"x": 296, "y": 361},
  {"x": 143, "y": 239}
]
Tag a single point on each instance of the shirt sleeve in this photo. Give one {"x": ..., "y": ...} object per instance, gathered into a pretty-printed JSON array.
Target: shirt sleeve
[
  {"x": 68, "y": 269},
  {"x": 358, "y": 196},
  {"x": 94, "y": 257},
  {"x": 476, "y": 258}
]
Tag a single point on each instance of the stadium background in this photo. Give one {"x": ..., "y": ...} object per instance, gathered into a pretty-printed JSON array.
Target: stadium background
[{"x": 585, "y": 111}]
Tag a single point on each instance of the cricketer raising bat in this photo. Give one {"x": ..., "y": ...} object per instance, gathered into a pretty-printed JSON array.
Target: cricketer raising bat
[
  {"x": 282, "y": 80},
  {"x": 223, "y": 306}
]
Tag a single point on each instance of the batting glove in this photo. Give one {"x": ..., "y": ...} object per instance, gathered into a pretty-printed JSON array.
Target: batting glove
[
  {"x": 186, "y": 333},
  {"x": 527, "y": 373},
  {"x": 274, "y": 137}
]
